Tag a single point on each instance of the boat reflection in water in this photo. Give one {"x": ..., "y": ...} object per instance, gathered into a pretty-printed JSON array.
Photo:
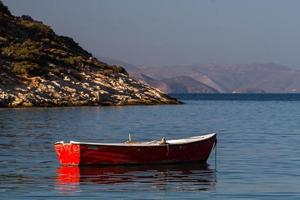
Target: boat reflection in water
[{"x": 183, "y": 177}]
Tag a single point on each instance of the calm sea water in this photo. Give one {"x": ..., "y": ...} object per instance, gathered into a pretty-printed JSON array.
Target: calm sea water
[{"x": 258, "y": 153}]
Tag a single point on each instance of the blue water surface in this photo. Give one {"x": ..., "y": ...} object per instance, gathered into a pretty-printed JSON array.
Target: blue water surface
[{"x": 258, "y": 152}]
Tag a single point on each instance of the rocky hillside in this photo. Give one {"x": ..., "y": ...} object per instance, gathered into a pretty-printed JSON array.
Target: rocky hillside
[{"x": 40, "y": 68}]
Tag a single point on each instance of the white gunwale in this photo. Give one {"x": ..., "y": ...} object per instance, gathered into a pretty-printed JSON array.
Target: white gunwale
[{"x": 150, "y": 143}]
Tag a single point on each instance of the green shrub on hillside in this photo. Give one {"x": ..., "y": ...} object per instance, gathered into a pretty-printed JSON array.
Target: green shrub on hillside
[
  {"x": 73, "y": 60},
  {"x": 98, "y": 64},
  {"x": 117, "y": 69},
  {"x": 25, "y": 67},
  {"x": 3, "y": 41},
  {"x": 4, "y": 9},
  {"x": 34, "y": 26},
  {"x": 28, "y": 50}
]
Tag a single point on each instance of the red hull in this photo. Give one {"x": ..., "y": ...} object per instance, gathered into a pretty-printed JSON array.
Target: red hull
[{"x": 115, "y": 154}]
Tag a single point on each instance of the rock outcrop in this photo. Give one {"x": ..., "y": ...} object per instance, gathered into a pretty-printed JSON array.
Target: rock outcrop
[{"x": 40, "y": 68}]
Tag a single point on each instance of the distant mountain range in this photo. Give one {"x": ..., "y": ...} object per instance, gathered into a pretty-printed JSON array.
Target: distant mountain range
[{"x": 218, "y": 78}]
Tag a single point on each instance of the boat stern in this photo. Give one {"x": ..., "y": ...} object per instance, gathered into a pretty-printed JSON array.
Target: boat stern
[{"x": 67, "y": 153}]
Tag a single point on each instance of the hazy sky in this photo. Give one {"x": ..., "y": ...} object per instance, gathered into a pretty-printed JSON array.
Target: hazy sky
[{"x": 164, "y": 32}]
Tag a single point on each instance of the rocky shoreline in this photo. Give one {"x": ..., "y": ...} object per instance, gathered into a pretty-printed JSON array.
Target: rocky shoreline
[{"x": 93, "y": 89}]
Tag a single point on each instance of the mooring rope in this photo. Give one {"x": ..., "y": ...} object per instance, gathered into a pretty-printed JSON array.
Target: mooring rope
[
  {"x": 168, "y": 149},
  {"x": 215, "y": 147}
]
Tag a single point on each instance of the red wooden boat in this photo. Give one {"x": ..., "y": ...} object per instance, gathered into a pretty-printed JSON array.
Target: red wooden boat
[{"x": 192, "y": 149}]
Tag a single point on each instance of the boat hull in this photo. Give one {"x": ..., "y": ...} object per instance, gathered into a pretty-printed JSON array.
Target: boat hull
[{"x": 99, "y": 154}]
